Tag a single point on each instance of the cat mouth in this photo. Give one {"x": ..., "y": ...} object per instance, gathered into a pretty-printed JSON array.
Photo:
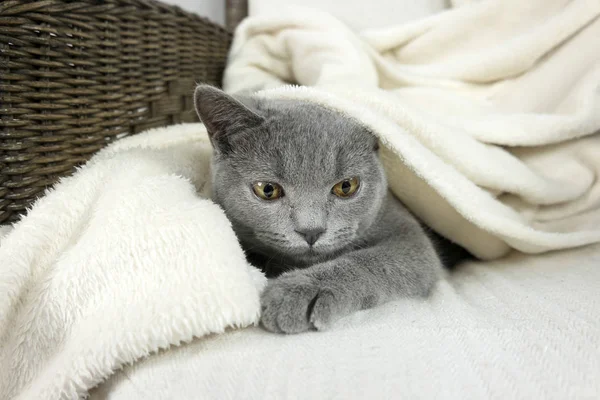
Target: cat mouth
[
  {"x": 318, "y": 250},
  {"x": 302, "y": 251}
]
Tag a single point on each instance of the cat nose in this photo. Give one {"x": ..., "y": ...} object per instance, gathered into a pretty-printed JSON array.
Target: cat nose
[{"x": 311, "y": 235}]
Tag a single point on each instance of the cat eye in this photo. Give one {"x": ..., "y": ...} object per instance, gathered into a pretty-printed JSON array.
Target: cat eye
[
  {"x": 346, "y": 188},
  {"x": 267, "y": 190}
]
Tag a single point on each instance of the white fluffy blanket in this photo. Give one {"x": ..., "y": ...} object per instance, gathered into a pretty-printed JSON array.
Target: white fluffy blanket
[
  {"x": 488, "y": 111},
  {"x": 120, "y": 260},
  {"x": 523, "y": 327},
  {"x": 126, "y": 258}
]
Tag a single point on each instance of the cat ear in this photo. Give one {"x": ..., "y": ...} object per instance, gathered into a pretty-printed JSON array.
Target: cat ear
[{"x": 223, "y": 115}]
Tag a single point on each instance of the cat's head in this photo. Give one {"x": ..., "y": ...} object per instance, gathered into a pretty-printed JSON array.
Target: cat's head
[{"x": 298, "y": 181}]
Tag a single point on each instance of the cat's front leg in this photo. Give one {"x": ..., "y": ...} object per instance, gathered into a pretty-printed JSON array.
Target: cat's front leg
[{"x": 315, "y": 297}]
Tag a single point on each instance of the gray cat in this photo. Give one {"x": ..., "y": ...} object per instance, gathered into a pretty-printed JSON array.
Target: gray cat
[{"x": 307, "y": 197}]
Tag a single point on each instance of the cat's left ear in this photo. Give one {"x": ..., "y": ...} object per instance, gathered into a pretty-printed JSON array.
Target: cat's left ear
[{"x": 223, "y": 116}]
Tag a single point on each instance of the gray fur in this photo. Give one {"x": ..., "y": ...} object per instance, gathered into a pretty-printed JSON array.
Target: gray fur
[{"x": 372, "y": 249}]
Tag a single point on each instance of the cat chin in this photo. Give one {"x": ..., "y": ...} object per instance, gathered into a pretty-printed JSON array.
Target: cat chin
[
  {"x": 298, "y": 255},
  {"x": 310, "y": 255}
]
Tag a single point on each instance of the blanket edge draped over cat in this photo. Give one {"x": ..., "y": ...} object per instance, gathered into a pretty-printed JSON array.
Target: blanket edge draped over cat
[{"x": 490, "y": 137}]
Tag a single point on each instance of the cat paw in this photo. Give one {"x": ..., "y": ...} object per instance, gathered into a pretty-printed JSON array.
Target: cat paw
[{"x": 297, "y": 303}]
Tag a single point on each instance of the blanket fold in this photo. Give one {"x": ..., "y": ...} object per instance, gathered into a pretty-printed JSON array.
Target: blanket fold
[
  {"x": 119, "y": 261},
  {"x": 489, "y": 112}
]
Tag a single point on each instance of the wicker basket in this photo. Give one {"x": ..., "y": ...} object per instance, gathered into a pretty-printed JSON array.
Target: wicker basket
[{"x": 75, "y": 75}]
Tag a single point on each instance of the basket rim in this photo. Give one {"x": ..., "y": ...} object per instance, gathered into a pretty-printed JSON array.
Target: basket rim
[{"x": 13, "y": 8}]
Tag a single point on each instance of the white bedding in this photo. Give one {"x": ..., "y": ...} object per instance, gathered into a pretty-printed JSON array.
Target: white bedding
[
  {"x": 524, "y": 327},
  {"x": 118, "y": 261},
  {"x": 491, "y": 110}
]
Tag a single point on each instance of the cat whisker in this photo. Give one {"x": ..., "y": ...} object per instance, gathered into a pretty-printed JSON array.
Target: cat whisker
[
  {"x": 273, "y": 240},
  {"x": 343, "y": 230},
  {"x": 247, "y": 249},
  {"x": 267, "y": 233},
  {"x": 343, "y": 238},
  {"x": 271, "y": 237},
  {"x": 276, "y": 241}
]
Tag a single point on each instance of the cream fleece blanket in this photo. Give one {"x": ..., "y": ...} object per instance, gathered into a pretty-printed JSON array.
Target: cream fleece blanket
[
  {"x": 523, "y": 327},
  {"x": 488, "y": 111},
  {"x": 119, "y": 261}
]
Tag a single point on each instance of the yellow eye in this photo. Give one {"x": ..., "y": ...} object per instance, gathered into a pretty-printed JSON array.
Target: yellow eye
[
  {"x": 346, "y": 188},
  {"x": 267, "y": 190}
]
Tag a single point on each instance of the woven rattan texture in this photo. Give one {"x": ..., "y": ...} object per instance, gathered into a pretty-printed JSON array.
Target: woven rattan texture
[{"x": 75, "y": 75}]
